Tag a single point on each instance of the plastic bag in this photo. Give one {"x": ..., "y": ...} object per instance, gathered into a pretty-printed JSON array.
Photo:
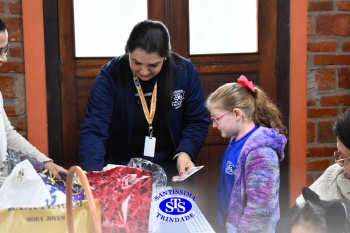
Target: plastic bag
[
  {"x": 14, "y": 158},
  {"x": 124, "y": 194},
  {"x": 9, "y": 164},
  {"x": 159, "y": 183},
  {"x": 158, "y": 174},
  {"x": 24, "y": 188}
]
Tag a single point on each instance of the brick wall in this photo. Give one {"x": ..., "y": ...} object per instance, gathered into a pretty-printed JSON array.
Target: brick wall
[
  {"x": 12, "y": 78},
  {"x": 328, "y": 79}
]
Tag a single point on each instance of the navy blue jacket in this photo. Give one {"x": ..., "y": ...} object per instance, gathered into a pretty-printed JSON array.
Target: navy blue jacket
[{"x": 110, "y": 111}]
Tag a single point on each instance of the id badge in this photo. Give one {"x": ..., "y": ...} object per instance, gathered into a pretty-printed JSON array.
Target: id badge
[{"x": 150, "y": 146}]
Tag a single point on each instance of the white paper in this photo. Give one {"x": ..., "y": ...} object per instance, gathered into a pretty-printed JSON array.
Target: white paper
[{"x": 187, "y": 174}]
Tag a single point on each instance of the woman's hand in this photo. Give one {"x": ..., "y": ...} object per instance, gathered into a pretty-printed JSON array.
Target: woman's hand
[
  {"x": 55, "y": 169},
  {"x": 184, "y": 163}
]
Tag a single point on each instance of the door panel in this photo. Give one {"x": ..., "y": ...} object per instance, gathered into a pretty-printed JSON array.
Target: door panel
[
  {"x": 68, "y": 84},
  {"x": 77, "y": 76}
]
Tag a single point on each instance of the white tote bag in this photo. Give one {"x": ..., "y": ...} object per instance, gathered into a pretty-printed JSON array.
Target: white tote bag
[{"x": 24, "y": 188}]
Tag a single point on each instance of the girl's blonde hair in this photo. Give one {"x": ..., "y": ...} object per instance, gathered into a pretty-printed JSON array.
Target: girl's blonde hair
[{"x": 256, "y": 104}]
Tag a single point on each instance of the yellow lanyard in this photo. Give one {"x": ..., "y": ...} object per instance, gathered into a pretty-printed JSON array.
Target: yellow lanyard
[{"x": 148, "y": 114}]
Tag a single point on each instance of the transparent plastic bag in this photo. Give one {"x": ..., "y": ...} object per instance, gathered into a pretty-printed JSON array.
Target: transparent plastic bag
[
  {"x": 158, "y": 174},
  {"x": 10, "y": 162},
  {"x": 159, "y": 183},
  {"x": 13, "y": 158}
]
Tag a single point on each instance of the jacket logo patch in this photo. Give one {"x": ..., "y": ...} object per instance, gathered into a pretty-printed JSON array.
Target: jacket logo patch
[
  {"x": 177, "y": 98},
  {"x": 230, "y": 168}
]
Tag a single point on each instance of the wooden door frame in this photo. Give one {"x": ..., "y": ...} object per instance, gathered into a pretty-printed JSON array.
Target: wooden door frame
[
  {"x": 53, "y": 79},
  {"x": 53, "y": 82},
  {"x": 283, "y": 93}
]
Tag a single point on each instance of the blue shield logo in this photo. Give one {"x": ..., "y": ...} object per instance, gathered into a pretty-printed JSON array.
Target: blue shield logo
[{"x": 175, "y": 206}]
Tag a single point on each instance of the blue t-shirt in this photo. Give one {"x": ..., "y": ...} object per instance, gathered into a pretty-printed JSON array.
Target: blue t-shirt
[{"x": 227, "y": 177}]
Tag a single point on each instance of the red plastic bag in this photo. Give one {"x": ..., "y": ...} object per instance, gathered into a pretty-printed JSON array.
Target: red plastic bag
[{"x": 125, "y": 195}]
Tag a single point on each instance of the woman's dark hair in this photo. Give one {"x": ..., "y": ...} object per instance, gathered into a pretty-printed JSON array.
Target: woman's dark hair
[
  {"x": 2, "y": 26},
  {"x": 153, "y": 36},
  {"x": 341, "y": 128}
]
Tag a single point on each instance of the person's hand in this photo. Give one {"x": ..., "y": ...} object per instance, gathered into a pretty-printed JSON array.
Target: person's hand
[
  {"x": 184, "y": 163},
  {"x": 55, "y": 169}
]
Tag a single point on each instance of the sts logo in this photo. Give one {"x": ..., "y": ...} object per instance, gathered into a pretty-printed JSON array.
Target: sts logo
[{"x": 175, "y": 206}]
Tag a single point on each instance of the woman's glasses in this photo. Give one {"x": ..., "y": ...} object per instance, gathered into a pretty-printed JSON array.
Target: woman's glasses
[
  {"x": 216, "y": 119},
  {"x": 4, "y": 50},
  {"x": 338, "y": 158}
]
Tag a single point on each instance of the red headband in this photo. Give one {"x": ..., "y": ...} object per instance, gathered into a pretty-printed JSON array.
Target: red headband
[{"x": 245, "y": 82}]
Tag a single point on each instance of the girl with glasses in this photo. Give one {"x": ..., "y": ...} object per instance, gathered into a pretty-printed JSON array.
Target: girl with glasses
[{"x": 248, "y": 189}]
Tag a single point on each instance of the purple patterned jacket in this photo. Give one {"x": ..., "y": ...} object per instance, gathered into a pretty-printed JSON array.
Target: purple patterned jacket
[{"x": 254, "y": 203}]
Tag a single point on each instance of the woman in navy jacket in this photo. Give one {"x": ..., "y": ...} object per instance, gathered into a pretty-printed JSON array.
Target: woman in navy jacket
[{"x": 119, "y": 122}]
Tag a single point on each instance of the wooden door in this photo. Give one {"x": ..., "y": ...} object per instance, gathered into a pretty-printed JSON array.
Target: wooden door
[{"x": 76, "y": 76}]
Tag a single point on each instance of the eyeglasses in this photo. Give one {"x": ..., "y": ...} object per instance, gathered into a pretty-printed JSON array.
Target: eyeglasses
[
  {"x": 216, "y": 119},
  {"x": 4, "y": 50},
  {"x": 338, "y": 158}
]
